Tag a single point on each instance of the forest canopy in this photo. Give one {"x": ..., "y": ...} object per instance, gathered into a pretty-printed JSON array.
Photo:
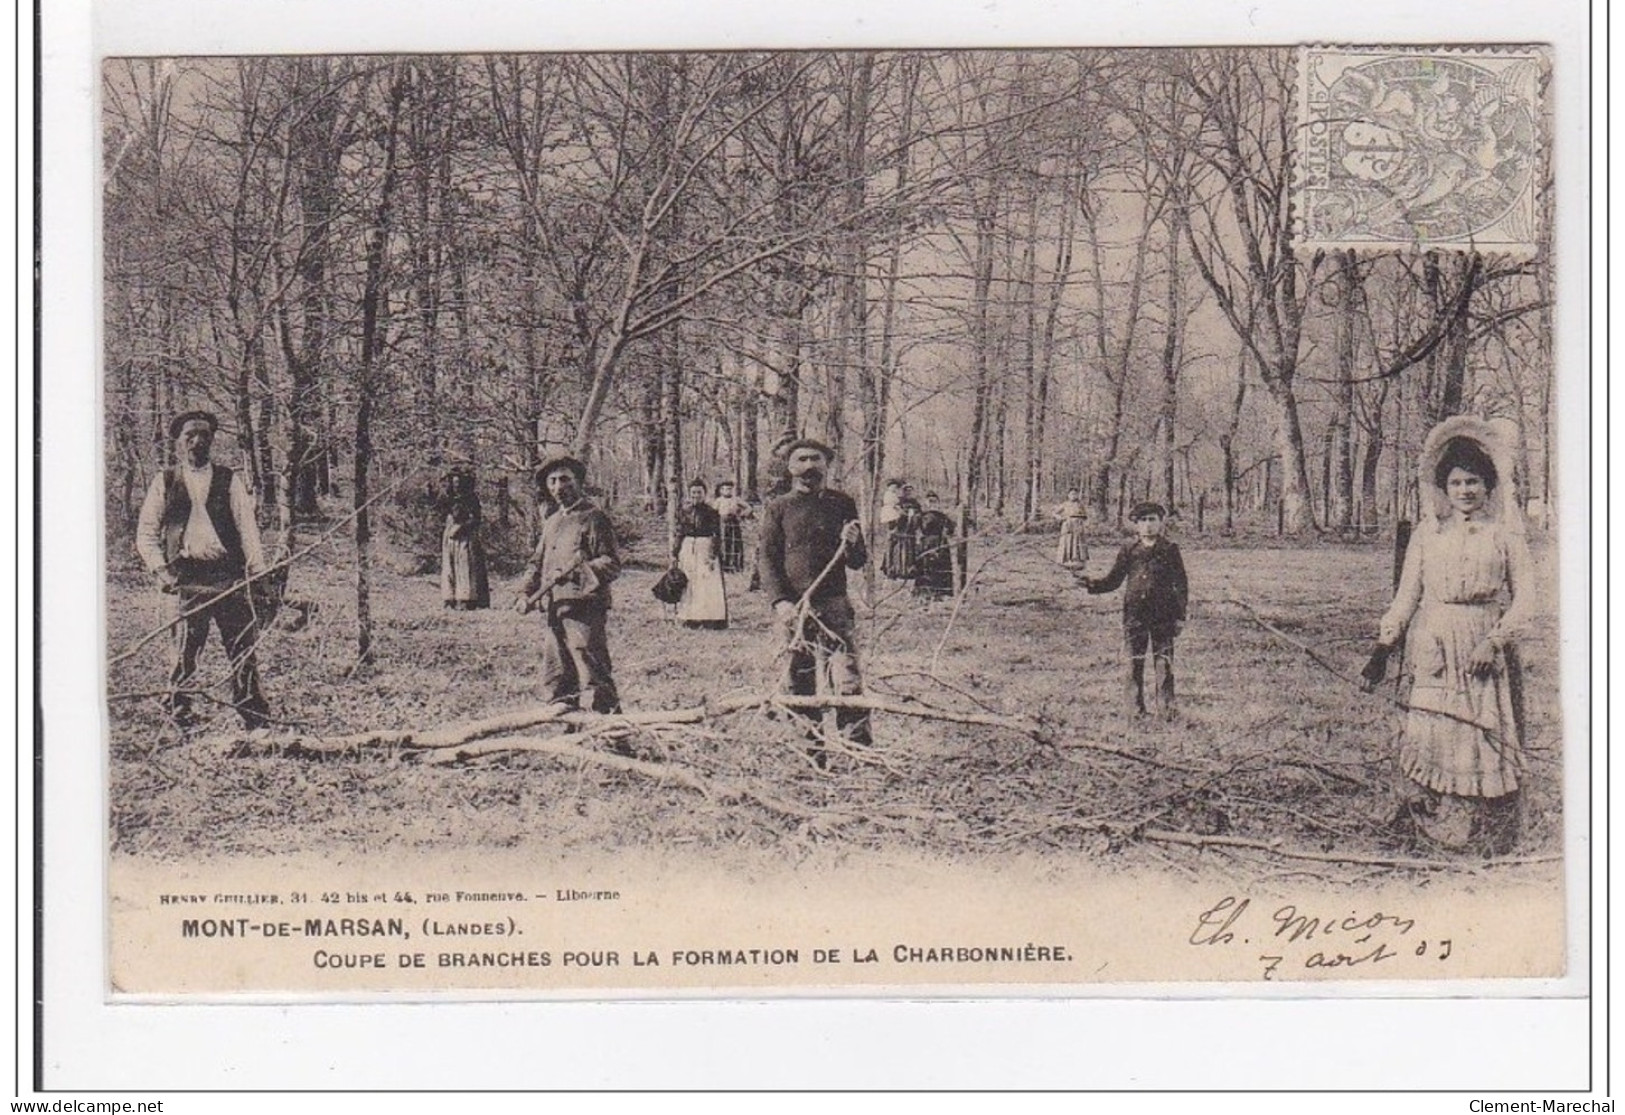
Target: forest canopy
[{"x": 1008, "y": 274}]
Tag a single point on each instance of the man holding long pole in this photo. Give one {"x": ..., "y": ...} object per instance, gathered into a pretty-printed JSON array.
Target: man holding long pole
[
  {"x": 810, "y": 537},
  {"x": 197, "y": 534}
]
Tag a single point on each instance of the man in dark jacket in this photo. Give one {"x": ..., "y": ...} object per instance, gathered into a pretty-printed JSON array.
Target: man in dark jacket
[
  {"x": 1154, "y": 603},
  {"x": 197, "y": 534},
  {"x": 568, "y": 578},
  {"x": 803, "y": 533}
]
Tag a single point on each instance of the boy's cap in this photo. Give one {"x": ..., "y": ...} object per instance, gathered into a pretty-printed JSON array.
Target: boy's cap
[{"x": 1147, "y": 511}]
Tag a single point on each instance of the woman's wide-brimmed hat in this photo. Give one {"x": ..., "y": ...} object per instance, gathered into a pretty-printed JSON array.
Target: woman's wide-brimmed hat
[{"x": 1496, "y": 443}]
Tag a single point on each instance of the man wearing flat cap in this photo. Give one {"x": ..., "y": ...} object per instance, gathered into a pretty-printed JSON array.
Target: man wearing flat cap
[
  {"x": 197, "y": 534},
  {"x": 1156, "y": 594},
  {"x": 802, "y": 532},
  {"x": 568, "y": 578}
]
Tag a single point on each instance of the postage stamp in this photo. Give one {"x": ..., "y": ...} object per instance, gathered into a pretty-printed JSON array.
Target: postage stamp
[{"x": 1420, "y": 147}]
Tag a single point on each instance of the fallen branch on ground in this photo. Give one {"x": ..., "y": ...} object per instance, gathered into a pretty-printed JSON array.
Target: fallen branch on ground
[
  {"x": 711, "y": 790},
  {"x": 1275, "y": 848},
  {"x": 594, "y": 723}
]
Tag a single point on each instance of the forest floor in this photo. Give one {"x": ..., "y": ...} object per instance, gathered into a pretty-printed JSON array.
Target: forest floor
[{"x": 1268, "y": 745}]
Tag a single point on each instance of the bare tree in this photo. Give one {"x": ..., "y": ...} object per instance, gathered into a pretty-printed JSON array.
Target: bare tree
[
  {"x": 372, "y": 346},
  {"x": 1239, "y": 234}
]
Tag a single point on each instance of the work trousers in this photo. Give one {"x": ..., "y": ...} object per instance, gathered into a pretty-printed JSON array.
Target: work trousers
[
  {"x": 824, "y": 654},
  {"x": 233, "y": 614},
  {"x": 1158, "y": 638},
  {"x": 575, "y": 656}
]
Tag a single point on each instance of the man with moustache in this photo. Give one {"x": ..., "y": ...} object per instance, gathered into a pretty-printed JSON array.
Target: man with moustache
[
  {"x": 802, "y": 533},
  {"x": 197, "y": 534},
  {"x": 568, "y": 578}
]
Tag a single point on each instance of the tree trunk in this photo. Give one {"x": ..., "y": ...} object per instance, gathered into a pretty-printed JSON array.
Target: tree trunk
[
  {"x": 1453, "y": 354},
  {"x": 852, "y": 346},
  {"x": 313, "y": 144},
  {"x": 886, "y": 363},
  {"x": 750, "y": 411},
  {"x": 787, "y": 400},
  {"x": 262, "y": 440},
  {"x": 671, "y": 428},
  {"x": 1115, "y": 362},
  {"x": 1297, "y": 510},
  {"x": 1340, "y": 494},
  {"x": 1369, "y": 467},
  {"x": 982, "y": 329},
  {"x": 372, "y": 344},
  {"x": 1168, "y": 405},
  {"x": 1029, "y": 371},
  {"x": 1044, "y": 374}
]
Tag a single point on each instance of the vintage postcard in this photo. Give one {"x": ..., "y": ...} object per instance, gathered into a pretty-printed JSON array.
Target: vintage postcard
[
  {"x": 986, "y": 521},
  {"x": 544, "y": 523}
]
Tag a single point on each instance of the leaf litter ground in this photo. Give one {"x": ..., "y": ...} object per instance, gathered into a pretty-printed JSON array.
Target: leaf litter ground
[{"x": 1268, "y": 746}]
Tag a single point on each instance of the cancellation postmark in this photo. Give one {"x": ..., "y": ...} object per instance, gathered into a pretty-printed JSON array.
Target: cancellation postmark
[{"x": 1423, "y": 148}]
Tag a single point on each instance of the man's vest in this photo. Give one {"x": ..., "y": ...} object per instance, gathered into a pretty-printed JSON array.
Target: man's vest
[{"x": 178, "y": 509}]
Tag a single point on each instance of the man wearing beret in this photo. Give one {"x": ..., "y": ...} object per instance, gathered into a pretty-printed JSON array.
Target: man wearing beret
[
  {"x": 197, "y": 534},
  {"x": 568, "y": 578},
  {"x": 802, "y": 532}
]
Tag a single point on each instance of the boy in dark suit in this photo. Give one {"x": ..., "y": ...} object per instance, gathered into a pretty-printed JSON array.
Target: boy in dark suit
[{"x": 1153, "y": 603}]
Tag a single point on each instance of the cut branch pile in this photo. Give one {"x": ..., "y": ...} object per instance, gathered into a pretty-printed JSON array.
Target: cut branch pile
[
  {"x": 513, "y": 733},
  {"x": 456, "y": 738},
  {"x": 574, "y": 734}
]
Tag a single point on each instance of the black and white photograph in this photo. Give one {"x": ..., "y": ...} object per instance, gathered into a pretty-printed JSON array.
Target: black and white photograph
[
  {"x": 994, "y": 549},
  {"x": 543, "y": 488}
]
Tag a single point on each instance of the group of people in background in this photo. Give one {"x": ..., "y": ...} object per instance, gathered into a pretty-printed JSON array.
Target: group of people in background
[
  {"x": 709, "y": 543},
  {"x": 1462, "y": 601},
  {"x": 919, "y": 540}
]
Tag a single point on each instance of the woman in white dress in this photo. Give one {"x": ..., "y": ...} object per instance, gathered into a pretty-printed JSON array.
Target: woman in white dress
[
  {"x": 699, "y": 556},
  {"x": 1463, "y": 598}
]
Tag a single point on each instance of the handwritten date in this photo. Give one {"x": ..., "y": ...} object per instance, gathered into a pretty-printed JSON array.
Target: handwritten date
[{"x": 1311, "y": 941}]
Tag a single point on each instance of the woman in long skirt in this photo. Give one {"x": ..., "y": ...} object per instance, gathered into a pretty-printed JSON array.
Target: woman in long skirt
[
  {"x": 464, "y": 584},
  {"x": 934, "y": 563},
  {"x": 1461, "y": 751},
  {"x": 699, "y": 556},
  {"x": 1072, "y": 551},
  {"x": 733, "y": 511},
  {"x": 901, "y": 541}
]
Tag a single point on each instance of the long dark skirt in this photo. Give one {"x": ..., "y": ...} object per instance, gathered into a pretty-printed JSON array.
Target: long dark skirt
[
  {"x": 733, "y": 546},
  {"x": 934, "y": 575},
  {"x": 900, "y": 555}
]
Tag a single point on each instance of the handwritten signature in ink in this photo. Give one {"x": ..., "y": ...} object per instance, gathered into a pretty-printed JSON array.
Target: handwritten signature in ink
[{"x": 1311, "y": 941}]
